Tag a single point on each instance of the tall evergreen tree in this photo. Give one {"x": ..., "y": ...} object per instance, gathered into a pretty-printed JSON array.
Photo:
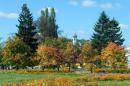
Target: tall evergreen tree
[
  {"x": 47, "y": 24},
  {"x": 114, "y": 33},
  {"x": 1, "y": 56},
  {"x": 26, "y": 28},
  {"x": 106, "y": 31},
  {"x": 99, "y": 38}
]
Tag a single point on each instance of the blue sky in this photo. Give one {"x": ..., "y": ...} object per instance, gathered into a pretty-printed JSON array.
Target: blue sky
[{"x": 73, "y": 16}]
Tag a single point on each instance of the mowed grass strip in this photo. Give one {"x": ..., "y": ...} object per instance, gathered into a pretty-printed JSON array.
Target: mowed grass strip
[{"x": 14, "y": 77}]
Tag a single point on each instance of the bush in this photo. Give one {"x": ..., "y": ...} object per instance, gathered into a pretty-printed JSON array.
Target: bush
[
  {"x": 104, "y": 77},
  {"x": 52, "y": 82},
  {"x": 110, "y": 77},
  {"x": 104, "y": 70}
]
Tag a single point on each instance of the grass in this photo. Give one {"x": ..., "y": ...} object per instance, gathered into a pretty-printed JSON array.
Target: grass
[
  {"x": 114, "y": 83},
  {"x": 16, "y": 77}
]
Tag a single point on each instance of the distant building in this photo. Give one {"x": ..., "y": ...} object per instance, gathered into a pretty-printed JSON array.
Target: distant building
[{"x": 74, "y": 39}]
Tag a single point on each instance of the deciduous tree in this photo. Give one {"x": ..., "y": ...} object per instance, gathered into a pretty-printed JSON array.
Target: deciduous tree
[
  {"x": 49, "y": 56},
  {"x": 89, "y": 56},
  {"x": 68, "y": 55},
  {"x": 47, "y": 24},
  {"x": 15, "y": 53},
  {"x": 113, "y": 56}
]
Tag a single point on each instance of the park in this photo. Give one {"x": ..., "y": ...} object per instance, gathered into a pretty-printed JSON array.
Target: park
[{"x": 38, "y": 54}]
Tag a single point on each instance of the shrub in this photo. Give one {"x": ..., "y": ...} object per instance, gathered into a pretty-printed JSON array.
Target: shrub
[
  {"x": 110, "y": 77},
  {"x": 53, "y": 82},
  {"x": 108, "y": 70}
]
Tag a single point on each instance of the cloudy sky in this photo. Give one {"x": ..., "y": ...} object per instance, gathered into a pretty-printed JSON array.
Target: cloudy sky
[{"x": 73, "y": 16}]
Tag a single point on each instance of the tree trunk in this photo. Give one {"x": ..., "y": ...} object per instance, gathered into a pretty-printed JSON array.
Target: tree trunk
[
  {"x": 58, "y": 68},
  {"x": 43, "y": 68},
  {"x": 69, "y": 66}
]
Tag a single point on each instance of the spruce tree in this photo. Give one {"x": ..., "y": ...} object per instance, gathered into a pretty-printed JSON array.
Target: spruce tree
[
  {"x": 47, "y": 24},
  {"x": 114, "y": 33},
  {"x": 99, "y": 38},
  {"x": 106, "y": 31},
  {"x": 26, "y": 28}
]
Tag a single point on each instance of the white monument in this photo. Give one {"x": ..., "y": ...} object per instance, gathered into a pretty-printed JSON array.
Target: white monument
[{"x": 74, "y": 39}]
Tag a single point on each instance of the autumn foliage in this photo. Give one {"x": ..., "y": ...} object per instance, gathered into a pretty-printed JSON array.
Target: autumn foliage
[
  {"x": 49, "y": 56},
  {"x": 15, "y": 53},
  {"x": 114, "y": 56}
]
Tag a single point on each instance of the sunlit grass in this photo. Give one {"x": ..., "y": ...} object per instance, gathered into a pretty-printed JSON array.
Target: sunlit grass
[{"x": 9, "y": 77}]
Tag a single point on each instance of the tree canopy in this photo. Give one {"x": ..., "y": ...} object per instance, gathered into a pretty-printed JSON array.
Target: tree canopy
[
  {"x": 46, "y": 24},
  {"x": 106, "y": 31},
  {"x": 26, "y": 29}
]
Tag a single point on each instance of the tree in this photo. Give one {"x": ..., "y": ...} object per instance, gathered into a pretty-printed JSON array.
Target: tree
[
  {"x": 1, "y": 56},
  {"x": 59, "y": 43},
  {"x": 81, "y": 42},
  {"x": 68, "y": 54},
  {"x": 47, "y": 24},
  {"x": 49, "y": 57},
  {"x": 114, "y": 33},
  {"x": 113, "y": 56},
  {"x": 26, "y": 29},
  {"x": 99, "y": 38},
  {"x": 89, "y": 56},
  {"x": 15, "y": 53},
  {"x": 106, "y": 31},
  {"x": 53, "y": 24}
]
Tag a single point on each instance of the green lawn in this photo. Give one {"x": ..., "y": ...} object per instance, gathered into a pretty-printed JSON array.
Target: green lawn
[
  {"x": 10, "y": 77},
  {"x": 13, "y": 77}
]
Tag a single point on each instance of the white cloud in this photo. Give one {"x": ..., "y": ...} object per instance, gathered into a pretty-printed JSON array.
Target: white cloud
[
  {"x": 88, "y": 3},
  {"x": 95, "y": 3},
  {"x": 124, "y": 26},
  {"x": 73, "y": 2},
  {"x": 8, "y": 15},
  {"x": 107, "y": 6}
]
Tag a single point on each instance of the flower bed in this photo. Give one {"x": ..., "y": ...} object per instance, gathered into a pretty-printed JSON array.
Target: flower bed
[
  {"x": 108, "y": 70},
  {"x": 52, "y": 82}
]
